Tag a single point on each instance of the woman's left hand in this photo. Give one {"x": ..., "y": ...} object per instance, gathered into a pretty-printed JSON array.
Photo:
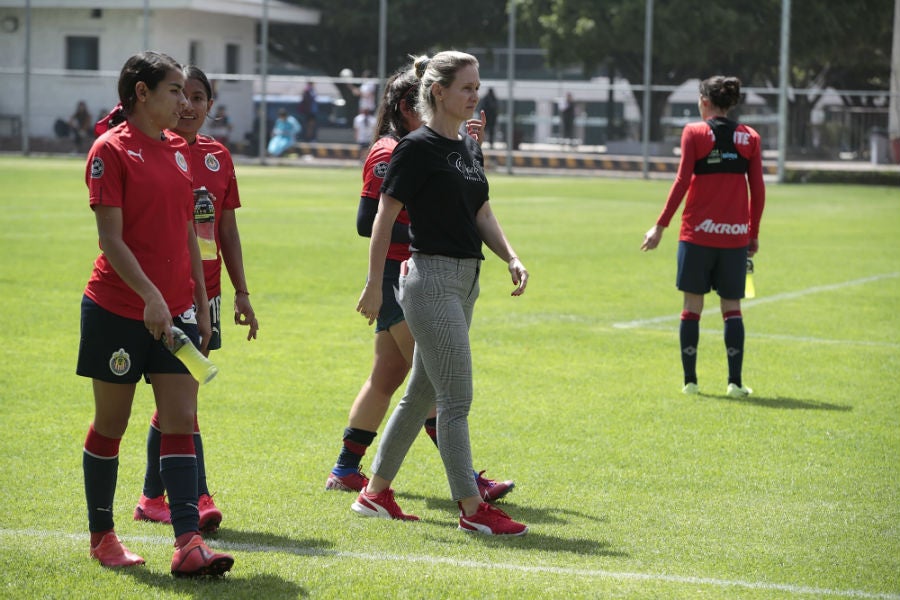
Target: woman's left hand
[
  {"x": 475, "y": 128},
  {"x": 519, "y": 275}
]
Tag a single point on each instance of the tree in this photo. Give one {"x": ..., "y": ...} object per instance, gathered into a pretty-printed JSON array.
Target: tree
[{"x": 845, "y": 45}]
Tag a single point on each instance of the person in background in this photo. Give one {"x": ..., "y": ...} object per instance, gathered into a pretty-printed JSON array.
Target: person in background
[
  {"x": 720, "y": 158},
  {"x": 394, "y": 343},
  {"x": 212, "y": 167},
  {"x": 147, "y": 279},
  {"x": 81, "y": 124},
  {"x": 567, "y": 117},
  {"x": 363, "y": 128},
  {"x": 284, "y": 133},
  {"x": 220, "y": 125},
  {"x": 438, "y": 174},
  {"x": 309, "y": 112},
  {"x": 490, "y": 107}
]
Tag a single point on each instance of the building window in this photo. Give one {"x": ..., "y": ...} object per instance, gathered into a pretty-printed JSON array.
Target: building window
[
  {"x": 83, "y": 52},
  {"x": 232, "y": 59},
  {"x": 195, "y": 56}
]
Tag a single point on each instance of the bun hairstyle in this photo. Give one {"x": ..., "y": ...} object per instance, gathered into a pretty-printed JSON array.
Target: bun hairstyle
[
  {"x": 440, "y": 68},
  {"x": 723, "y": 92}
]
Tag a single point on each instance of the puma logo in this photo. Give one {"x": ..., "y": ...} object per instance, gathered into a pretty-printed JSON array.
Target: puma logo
[{"x": 138, "y": 154}]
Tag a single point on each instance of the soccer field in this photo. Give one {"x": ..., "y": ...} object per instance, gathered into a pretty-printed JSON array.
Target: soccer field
[{"x": 629, "y": 488}]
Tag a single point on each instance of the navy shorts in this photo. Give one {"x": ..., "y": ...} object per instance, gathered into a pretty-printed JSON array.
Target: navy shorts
[
  {"x": 702, "y": 268},
  {"x": 390, "y": 313},
  {"x": 119, "y": 350}
]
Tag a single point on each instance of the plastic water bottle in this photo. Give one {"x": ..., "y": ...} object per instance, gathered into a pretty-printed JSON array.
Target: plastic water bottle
[
  {"x": 205, "y": 223},
  {"x": 201, "y": 368},
  {"x": 749, "y": 288}
]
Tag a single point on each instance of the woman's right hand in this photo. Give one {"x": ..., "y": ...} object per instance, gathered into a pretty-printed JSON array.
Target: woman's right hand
[
  {"x": 369, "y": 304},
  {"x": 652, "y": 238}
]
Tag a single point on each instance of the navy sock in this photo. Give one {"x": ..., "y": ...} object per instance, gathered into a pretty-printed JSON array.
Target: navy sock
[
  {"x": 153, "y": 485},
  {"x": 178, "y": 469},
  {"x": 356, "y": 442},
  {"x": 689, "y": 335},
  {"x": 100, "y": 462},
  {"x": 202, "y": 488},
  {"x": 734, "y": 345}
]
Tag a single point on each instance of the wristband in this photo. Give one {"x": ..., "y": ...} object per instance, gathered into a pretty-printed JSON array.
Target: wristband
[{"x": 245, "y": 292}]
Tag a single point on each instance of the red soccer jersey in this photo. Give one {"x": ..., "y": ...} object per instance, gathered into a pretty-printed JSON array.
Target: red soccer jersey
[
  {"x": 374, "y": 171},
  {"x": 212, "y": 167},
  {"x": 150, "y": 180},
  {"x": 718, "y": 212}
]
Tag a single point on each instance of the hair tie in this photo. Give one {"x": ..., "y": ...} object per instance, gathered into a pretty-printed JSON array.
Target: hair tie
[{"x": 114, "y": 117}]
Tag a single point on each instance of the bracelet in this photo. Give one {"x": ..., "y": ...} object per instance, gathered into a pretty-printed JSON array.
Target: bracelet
[
  {"x": 245, "y": 292},
  {"x": 512, "y": 258}
]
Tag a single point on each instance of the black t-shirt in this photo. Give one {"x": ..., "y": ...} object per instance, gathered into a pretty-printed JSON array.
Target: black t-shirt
[{"x": 442, "y": 184}]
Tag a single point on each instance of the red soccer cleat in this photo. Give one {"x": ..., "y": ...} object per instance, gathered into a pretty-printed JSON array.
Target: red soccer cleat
[
  {"x": 112, "y": 553},
  {"x": 491, "y": 490},
  {"x": 152, "y": 509},
  {"x": 210, "y": 515},
  {"x": 355, "y": 481},
  {"x": 195, "y": 559}
]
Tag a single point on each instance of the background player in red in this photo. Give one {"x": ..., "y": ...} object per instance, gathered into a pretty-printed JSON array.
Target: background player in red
[
  {"x": 212, "y": 167},
  {"x": 147, "y": 277},
  {"x": 719, "y": 225},
  {"x": 394, "y": 343}
]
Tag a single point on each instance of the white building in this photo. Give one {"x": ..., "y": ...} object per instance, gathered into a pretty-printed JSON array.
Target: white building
[{"x": 62, "y": 51}]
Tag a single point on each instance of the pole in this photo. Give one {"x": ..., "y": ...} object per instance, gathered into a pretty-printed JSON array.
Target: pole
[
  {"x": 648, "y": 58},
  {"x": 382, "y": 40},
  {"x": 263, "y": 74},
  {"x": 510, "y": 85},
  {"x": 783, "y": 86},
  {"x": 146, "y": 24},
  {"x": 26, "y": 117}
]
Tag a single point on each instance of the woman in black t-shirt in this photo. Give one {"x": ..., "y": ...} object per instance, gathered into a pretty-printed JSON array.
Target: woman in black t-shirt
[{"x": 438, "y": 174}]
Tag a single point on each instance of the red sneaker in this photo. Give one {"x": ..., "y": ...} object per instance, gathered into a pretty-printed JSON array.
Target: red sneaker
[
  {"x": 351, "y": 482},
  {"x": 195, "y": 559},
  {"x": 112, "y": 553},
  {"x": 152, "y": 509},
  {"x": 210, "y": 516},
  {"x": 381, "y": 505},
  {"x": 490, "y": 520},
  {"x": 491, "y": 490}
]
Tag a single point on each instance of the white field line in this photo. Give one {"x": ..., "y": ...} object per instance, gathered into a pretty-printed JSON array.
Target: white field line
[
  {"x": 471, "y": 564},
  {"x": 765, "y": 300}
]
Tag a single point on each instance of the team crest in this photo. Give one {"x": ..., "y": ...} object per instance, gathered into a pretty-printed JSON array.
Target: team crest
[
  {"x": 120, "y": 362},
  {"x": 212, "y": 163},
  {"x": 97, "y": 168},
  {"x": 380, "y": 170},
  {"x": 181, "y": 161}
]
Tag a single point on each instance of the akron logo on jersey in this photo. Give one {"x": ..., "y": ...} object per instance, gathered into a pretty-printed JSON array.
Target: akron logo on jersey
[
  {"x": 380, "y": 170},
  {"x": 120, "y": 362},
  {"x": 97, "y": 168},
  {"x": 211, "y": 162}
]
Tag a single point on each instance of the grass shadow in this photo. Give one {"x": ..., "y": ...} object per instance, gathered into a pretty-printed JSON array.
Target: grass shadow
[
  {"x": 254, "y": 541},
  {"x": 230, "y": 586},
  {"x": 779, "y": 402},
  {"x": 535, "y": 515}
]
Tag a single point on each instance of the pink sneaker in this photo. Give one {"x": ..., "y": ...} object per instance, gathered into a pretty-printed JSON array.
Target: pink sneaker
[
  {"x": 152, "y": 509},
  {"x": 195, "y": 559},
  {"x": 491, "y": 490},
  {"x": 381, "y": 505},
  {"x": 112, "y": 553},
  {"x": 490, "y": 520},
  {"x": 352, "y": 482},
  {"x": 210, "y": 516}
]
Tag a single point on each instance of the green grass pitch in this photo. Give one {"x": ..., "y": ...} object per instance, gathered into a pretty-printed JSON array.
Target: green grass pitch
[{"x": 630, "y": 489}]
